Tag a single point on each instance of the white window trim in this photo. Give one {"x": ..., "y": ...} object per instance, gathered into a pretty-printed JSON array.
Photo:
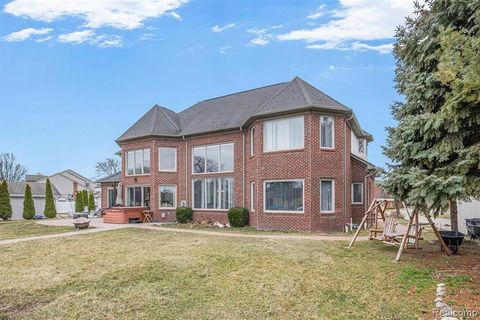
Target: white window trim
[
  {"x": 219, "y": 158},
  {"x": 174, "y": 196},
  {"x": 206, "y": 209},
  {"x": 286, "y": 149},
  {"x": 253, "y": 191},
  {"x": 143, "y": 194},
  {"x": 252, "y": 141},
  {"x": 159, "y": 156},
  {"x": 333, "y": 196},
  {"x": 283, "y": 211},
  {"x": 361, "y": 185},
  {"x": 126, "y": 163},
  {"x": 333, "y": 132}
]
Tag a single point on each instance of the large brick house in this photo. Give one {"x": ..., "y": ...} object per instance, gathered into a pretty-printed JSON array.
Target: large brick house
[{"x": 295, "y": 157}]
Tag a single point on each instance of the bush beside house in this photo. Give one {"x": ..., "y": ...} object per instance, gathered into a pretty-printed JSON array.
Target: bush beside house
[
  {"x": 238, "y": 217},
  {"x": 79, "y": 202},
  {"x": 91, "y": 202},
  {"x": 184, "y": 214},
  {"x": 5, "y": 205},
  {"x": 50, "y": 211},
  {"x": 28, "y": 204}
]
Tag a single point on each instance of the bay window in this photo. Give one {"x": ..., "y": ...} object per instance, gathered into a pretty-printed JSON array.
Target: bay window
[
  {"x": 137, "y": 196},
  {"x": 357, "y": 193},
  {"x": 213, "y": 193},
  {"x": 213, "y": 158},
  {"x": 326, "y": 132},
  {"x": 167, "y": 159},
  {"x": 283, "y": 134},
  {"x": 283, "y": 196},
  {"x": 138, "y": 162},
  {"x": 327, "y": 196},
  {"x": 167, "y": 196}
]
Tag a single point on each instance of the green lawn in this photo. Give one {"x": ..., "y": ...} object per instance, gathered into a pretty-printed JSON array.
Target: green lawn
[
  {"x": 147, "y": 274},
  {"x": 21, "y": 229}
]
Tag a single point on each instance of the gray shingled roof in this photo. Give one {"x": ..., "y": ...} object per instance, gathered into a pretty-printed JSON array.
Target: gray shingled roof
[
  {"x": 116, "y": 177},
  {"x": 34, "y": 177},
  {"x": 233, "y": 111},
  {"x": 38, "y": 188}
]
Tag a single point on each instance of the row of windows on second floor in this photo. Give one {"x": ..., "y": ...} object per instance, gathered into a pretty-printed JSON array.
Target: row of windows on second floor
[{"x": 281, "y": 134}]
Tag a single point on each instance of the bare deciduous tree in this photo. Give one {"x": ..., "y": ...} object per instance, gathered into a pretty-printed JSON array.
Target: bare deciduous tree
[
  {"x": 10, "y": 169},
  {"x": 108, "y": 167}
]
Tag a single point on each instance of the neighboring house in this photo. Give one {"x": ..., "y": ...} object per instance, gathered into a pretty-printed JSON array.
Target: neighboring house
[
  {"x": 295, "y": 157},
  {"x": 17, "y": 195},
  {"x": 68, "y": 182},
  {"x": 109, "y": 185},
  {"x": 467, "y": 210}
]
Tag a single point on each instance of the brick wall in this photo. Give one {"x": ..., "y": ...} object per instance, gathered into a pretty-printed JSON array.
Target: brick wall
[{"x": 312, "y": 164}]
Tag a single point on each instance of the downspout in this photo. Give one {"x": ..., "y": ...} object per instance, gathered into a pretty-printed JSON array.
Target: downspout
[
  {"x": 243, "y": 167},
  {"x": 345, "y": 170},
  {"x": 186, "y": 172},
  {"x": 365, "y": 186}
]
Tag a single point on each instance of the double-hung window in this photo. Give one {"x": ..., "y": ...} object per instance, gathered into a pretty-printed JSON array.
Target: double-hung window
[
  {"x": 167, "y": 196},
  {"x": 327, "y": 196},
  {"x": 137, "y": 196},
  {"x": 252, "y": 141},
  {"x": 167, "y": 159},
  {"x": 357, "y": 193},
  {"x": 326, "y": 132},
  {"x": 283, "y": 134},
  {"x": 213, "y": 193},
  {"x": 283, "y": 196},
  {"x": 253, "y": 196},
  {"x": 361, "y": 146},
  {"x": 138, "y": 162},
  {"x": 213, "y": 158}
]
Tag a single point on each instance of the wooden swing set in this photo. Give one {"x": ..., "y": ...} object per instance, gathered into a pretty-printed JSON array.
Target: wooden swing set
[{"x": 392, "y": 233}]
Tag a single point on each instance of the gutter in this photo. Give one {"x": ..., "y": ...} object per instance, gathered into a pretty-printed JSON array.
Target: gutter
[
  {"x": 345, "y": 169},
  {"x": 243, "y": 167}
]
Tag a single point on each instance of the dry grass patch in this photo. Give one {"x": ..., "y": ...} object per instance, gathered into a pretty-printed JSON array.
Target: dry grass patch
[
  {"x": 22, "y": 229},
  {"x": 133, "y": 273}
]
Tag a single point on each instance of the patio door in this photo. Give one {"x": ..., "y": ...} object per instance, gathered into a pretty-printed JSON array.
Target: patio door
[{"x": 112, "y": 196}]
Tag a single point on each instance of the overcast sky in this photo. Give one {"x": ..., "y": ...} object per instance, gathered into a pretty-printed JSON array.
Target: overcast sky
[{"x": 74, "y": 75}]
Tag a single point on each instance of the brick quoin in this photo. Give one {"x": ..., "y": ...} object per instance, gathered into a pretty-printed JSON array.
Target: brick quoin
[{"x": 312, "y": 164}]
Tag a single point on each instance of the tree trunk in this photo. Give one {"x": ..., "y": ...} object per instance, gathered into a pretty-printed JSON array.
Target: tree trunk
[{"x": 453, "y": 215}]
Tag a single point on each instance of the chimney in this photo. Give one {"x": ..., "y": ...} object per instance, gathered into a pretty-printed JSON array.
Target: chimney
[{"x": 75, "y": 189}]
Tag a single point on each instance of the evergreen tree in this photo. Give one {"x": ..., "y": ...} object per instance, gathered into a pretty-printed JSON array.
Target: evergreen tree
[
  {"x": 28, "y": 204},
  {"x": 5, "y": 205},
  {"x": 436, "y": 144},
  {"x": 85, "y": 198},
  {"x": 91, "y": 202},
  {"x": 79, "y": 202},
  {"x": 50, "y": 211}
]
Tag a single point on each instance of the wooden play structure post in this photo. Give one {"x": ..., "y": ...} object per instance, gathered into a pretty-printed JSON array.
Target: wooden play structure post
[{"x": 413, "y": 230}]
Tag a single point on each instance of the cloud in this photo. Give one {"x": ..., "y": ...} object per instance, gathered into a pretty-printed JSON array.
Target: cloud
[
  {"x": 216, "y": 28},
  {"x": 90, "y": 37},
  {"x": 223, "y": 50},
  {"x": 262, "y": 36},
  {"x": 25, "y": 34},
  {"x": 354, "y": 23},
  {"x": 45, "y": 39},
  {"x": 318, "y": 13},
  {"x": 175, "y": 15},
  {"x": 121, "y": 14}
]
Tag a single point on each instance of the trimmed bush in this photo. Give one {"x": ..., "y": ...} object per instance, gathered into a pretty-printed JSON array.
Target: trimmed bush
[
  {"x": 238, "y": 217},
  {"x": 79, "y": 202},
  {"x": 85, "y": 198},
  {"x": 91, "y": 202},
  {"x": 5, "y": 205},
  {"x": 184, "y": 214},
  {"x": 50, "y": 211},
  {"x": 28, "y": 205}
]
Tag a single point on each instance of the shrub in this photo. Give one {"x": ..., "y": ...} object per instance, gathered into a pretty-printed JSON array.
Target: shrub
[
  {"x": 238, "y": 217},
  {"x": 91, "y": 202},
  {"x": 5, "y": 205},
  {"x": 79, "y": 202},
  {"x": 28, "y": 205},
  {"x": 50, "y": 211},
  {"x": 184, "y": 214}
]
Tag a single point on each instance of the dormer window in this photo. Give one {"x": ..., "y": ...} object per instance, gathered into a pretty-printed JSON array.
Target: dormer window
[{"x": 361, "y": 146}]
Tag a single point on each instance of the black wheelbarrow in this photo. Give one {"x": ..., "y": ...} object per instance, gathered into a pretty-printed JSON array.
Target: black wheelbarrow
[{"x": 453, "y": 239}]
